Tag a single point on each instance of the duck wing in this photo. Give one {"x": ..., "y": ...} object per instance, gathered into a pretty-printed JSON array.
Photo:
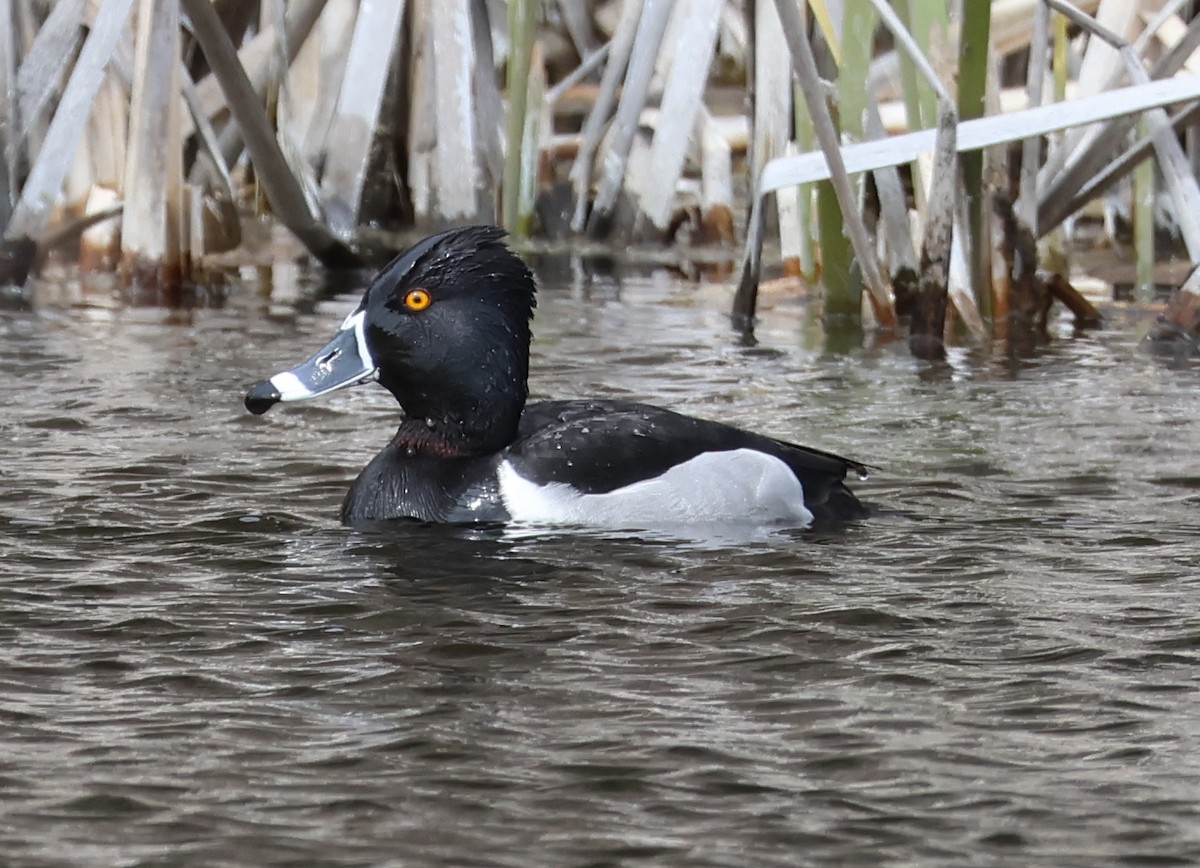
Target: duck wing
[{"x": 601, "y": 446}]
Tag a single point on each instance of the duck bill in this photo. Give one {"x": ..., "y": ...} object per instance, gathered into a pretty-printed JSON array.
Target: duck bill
[{"x": 344, "y": 361}]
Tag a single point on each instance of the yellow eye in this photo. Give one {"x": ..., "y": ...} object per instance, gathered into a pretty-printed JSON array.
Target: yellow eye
[{"x": 417, "y": 299}]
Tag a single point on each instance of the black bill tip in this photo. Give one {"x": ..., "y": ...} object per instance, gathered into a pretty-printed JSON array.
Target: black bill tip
[{"x": 262, "y": 398}]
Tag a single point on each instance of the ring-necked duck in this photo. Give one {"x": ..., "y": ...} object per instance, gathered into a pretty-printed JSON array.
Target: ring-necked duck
[{"x": 445, "y": 328}]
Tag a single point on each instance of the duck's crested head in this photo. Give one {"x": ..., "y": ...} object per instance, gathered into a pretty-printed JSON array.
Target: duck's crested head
[
  {"x": 467, "y": 267},
  {"x": 451, "y": 315},
  {"x": 445, "y": 328}
]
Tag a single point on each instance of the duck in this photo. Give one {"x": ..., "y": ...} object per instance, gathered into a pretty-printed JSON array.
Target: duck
[{"x": 445, "y": 327}]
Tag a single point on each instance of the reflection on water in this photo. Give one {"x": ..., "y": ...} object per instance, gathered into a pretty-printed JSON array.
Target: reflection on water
[{"x": 199, "y": 665}]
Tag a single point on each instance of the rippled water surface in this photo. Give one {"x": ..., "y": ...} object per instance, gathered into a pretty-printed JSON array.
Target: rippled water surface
[{"x": 198, "y": 665}]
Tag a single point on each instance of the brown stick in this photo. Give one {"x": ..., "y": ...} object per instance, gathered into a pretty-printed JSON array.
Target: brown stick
[{"x": 1086, "y": 314}]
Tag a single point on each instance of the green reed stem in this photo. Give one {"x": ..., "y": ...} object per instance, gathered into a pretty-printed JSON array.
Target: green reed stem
[
  {"x": 1143, "y": 228},
  {"x": 522, "y": 22},
  {"x": 974, "y": 60}
]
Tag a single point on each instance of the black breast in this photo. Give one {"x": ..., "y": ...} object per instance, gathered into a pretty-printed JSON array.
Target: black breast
[{"x": 434, "y": 489}]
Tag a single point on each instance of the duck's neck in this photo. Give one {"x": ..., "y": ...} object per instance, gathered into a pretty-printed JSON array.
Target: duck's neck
[
  {"x": 478, "y": 423},
  {"x": 442, "y": 437},
  {"x": 465, "y": 397}
]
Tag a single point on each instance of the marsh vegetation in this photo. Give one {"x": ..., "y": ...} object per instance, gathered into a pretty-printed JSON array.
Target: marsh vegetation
[{"x": 921, "y": 164}]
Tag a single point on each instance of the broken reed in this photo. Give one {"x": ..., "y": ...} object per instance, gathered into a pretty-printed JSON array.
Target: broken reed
[
  {"x": 1086, "y": 158},
  {"x": 353, "y": 113}
]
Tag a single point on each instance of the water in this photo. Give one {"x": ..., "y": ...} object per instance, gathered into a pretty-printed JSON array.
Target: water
[{"x": 199, "y": 666}]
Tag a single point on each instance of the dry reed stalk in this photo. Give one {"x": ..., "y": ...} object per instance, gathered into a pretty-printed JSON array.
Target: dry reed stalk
[
  {"x": 53, "y": 159},
  {"x": 108, "y": 141},
  {"x": 1010, "y": 22},
  {"x": 997, "y": 178},
  {"x": 422, "y": 118},
  {"x": 100, "y": 242},
  {"x": 455, "y": 153},
  {"x": 808, "y": 255},
  {"x": 151, "y": 222},
  {"x": 284, "y": 192},
  {"x": 257, "y": 56},
  {"x": 798, "y": 210},
  {"x": 209, "y": 168},
  {"x": 924, "y": 91},
  {"x": 489, "y": 113},
  {"x": 981, "y": 133},
  {"x": 716, "y": 183},
  {"x": 49, "y": 56},
  {"x": 577, "y": 17},
  {"x": 897, "y": 230},
  {"x": 356, "y": 116},
  {"x": 1035, "y": 77},
  {"x": 682, "y": 100},
  {"x": 986, "y": 132},
  {"x": 770, "y": 87},
  {"x": 299, "y": 88},
  {"x": 1092, "y": 158},
  {"x": 620, "y": 49},
  {"x": 1084, "y": 150},
  {"x": 959, "y": 287},
  {"x": 328, "y": 50},
  {"x": 571, "y": 80},
  {"x": 1129, "y": 159},
  {"x": 893, "y": 209},
  {"x": 1001, "y": 285},
  {"x": 106, "y": 146},
  {"x": 773, "y": 117},
  {"x": 76, "y": 185},
  {"x": 1143, "y": 228},
  {"x": 1176, "y": 169},
  {"x": 928, "y": 324},
  {"x": 806, "y": 71},
  {"x": 614, "y": 157},
  {"x": 1169, "y": 30},
  {"x": 636, "y": 178},
  {"x": 16, "y": 258},
  {"x": 8, "y": 111}
]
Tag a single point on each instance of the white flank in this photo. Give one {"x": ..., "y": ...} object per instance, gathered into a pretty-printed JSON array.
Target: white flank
[{"x": 741, "y": 486}]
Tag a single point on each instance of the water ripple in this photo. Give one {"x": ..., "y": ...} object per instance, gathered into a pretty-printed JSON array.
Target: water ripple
[{"x": 201, "y": 667}]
